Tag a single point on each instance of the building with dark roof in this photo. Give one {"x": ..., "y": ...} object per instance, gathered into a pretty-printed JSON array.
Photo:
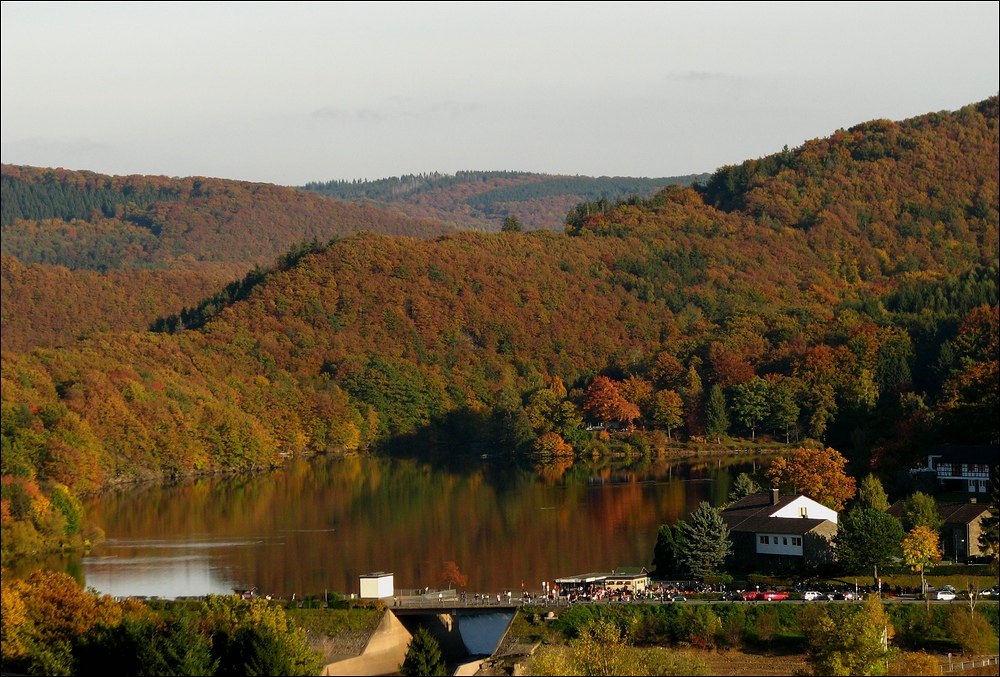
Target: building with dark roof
[
  {"x": 963, "y": 523},
  {"x": 968, "y": 468},
  {"x": 771, "y": 532}
]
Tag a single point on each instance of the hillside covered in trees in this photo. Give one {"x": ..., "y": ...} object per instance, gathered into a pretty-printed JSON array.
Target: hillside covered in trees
[
  {"x": 483, "y": 200},
  {"x": 69, "y": 237},
  {"x": 845, "y": 291}
]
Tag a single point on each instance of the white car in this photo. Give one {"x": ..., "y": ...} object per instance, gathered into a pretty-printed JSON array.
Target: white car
[
  {"x": 945, "y": 593},
  {"x": 812, "y": 595}
]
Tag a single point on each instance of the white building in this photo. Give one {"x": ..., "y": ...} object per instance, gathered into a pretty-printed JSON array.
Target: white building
[
  {"x": 378, "y": 585},
  {"x": 770, "y": 531}
]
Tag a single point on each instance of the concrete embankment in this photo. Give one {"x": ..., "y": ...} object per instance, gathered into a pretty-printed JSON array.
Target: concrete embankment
[{"x": 384, "y": 653}]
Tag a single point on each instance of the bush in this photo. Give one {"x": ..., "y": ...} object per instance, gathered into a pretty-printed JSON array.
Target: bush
[
  {"x": 914, "y": 663},
  {"x": 917, "y": 626},
  {"x": 970, "y": 631}
]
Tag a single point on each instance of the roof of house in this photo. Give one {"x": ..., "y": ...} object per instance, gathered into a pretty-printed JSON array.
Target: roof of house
[
  {"x": 753, "y": 513},
  {"x": 984, "y": 454},
  {"x": 630, "y": 571},
  {"x": 962, "y": 513},
  {"x": 952, "y": 513},
  {"x": 769, "y": 525},
  {"x": 757, "y": 502}
]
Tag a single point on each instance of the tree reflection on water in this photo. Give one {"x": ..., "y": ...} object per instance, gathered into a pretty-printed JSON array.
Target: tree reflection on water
[{"x": 317, "y": 524}]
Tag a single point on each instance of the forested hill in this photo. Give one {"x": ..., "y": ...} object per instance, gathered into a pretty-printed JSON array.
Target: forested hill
[
  {"x": 482, "y": 200},
  {"x": 874, "y": 334},
  {"x": 84, "y": 220},
  {"x": 84, "y": 252}
]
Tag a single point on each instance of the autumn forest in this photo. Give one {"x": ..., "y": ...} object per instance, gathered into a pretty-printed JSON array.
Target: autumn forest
[{"x": 840, "y": 294}]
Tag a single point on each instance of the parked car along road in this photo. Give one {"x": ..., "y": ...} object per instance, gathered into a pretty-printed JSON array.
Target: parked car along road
[
  {"x": 945, "y": 593},
  {"x": 812, "y": 595}
]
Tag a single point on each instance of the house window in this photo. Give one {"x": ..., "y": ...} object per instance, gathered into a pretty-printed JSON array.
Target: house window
[
  {"x": 803, "y": 511},
  {"x": 796, "y": 540},
  {"x": 764, "y": 540},
  {"x": 784, "y": 540}
]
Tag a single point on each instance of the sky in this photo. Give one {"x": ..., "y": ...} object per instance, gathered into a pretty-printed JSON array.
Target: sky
[{"x": 294, "y": 92}]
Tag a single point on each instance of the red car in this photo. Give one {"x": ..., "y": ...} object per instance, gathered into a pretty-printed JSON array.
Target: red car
[{"x": 769, "y": 596}]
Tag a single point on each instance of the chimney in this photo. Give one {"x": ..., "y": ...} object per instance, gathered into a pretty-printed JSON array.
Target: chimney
[{"x": 774, "y": 496}]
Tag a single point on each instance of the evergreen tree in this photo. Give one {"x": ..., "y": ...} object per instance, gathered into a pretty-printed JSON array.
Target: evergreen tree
[
  {"x": 716, "y": 414},
  {"x": 424, "y": 656},
  {"x": 743, "y": 487},
  {"x": 511, "y": 224},
  {"x": 706, "y": 541},
  {"x": 668, "y": 547}
]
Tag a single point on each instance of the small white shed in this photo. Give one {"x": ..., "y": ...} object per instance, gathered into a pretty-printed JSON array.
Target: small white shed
[{"x": 378, "y": 585}]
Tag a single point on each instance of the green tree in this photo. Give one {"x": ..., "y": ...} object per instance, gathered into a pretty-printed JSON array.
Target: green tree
[
  {"x": 850, "y": 640},
  {"x": 509, "y": 426},
  {"x": 784, "y": 406},
  {"x": 716, "y": 413},
  {"x": 743, "y": 487},
  {"x": 921, "y": 510},
  {"x": 706, "y": 541},
  {"x": 511, "y": 224},
  {"x": 254, "y": 637},
  {"x": 424, "y": 656},
  {"x": 667, "y": 549},
  {"x": 871, "y": 494},
  {"x": 694, "y": 400},
  {"x": 146, "y": 646},
  {"x": 752, "y": 403},
  {"x": 668, "y": 410},
  {"x": 867, "y": 539},
  {"x": 602, "y": 649},
  {"x": 823, "y": 401}
]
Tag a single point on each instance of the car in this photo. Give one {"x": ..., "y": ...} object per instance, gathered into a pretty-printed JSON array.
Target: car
[
  {"x": 752, "y": 595},
  {"x": 813, "y": 596},
  {"x": 848, "y": 595},
  {"x": 775, "y": 596},
  {"x": 945, "y": 593}
]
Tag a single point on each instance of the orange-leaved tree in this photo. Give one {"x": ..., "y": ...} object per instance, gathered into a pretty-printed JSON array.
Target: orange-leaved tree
[
  {"x": 816, "y": 473},
  {"x": 606, "y": 403},
  {"x": 453, "y": 576}
]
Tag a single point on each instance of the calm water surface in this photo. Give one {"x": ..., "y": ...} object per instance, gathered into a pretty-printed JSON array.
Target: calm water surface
[{"x": 317, "y": 524}]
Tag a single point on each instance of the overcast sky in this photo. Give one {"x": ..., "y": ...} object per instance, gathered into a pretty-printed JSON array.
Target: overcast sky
[{"x": 294, "y": 92}]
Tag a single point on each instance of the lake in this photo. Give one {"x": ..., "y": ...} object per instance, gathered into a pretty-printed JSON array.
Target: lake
[{"x": 316, "y": 524}]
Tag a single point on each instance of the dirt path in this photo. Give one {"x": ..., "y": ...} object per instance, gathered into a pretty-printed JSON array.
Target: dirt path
[{"x": 738, "y": 663}]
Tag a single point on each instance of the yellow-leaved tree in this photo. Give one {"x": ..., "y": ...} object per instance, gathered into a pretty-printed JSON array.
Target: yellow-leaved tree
[{"x": 921, "y": 549}]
